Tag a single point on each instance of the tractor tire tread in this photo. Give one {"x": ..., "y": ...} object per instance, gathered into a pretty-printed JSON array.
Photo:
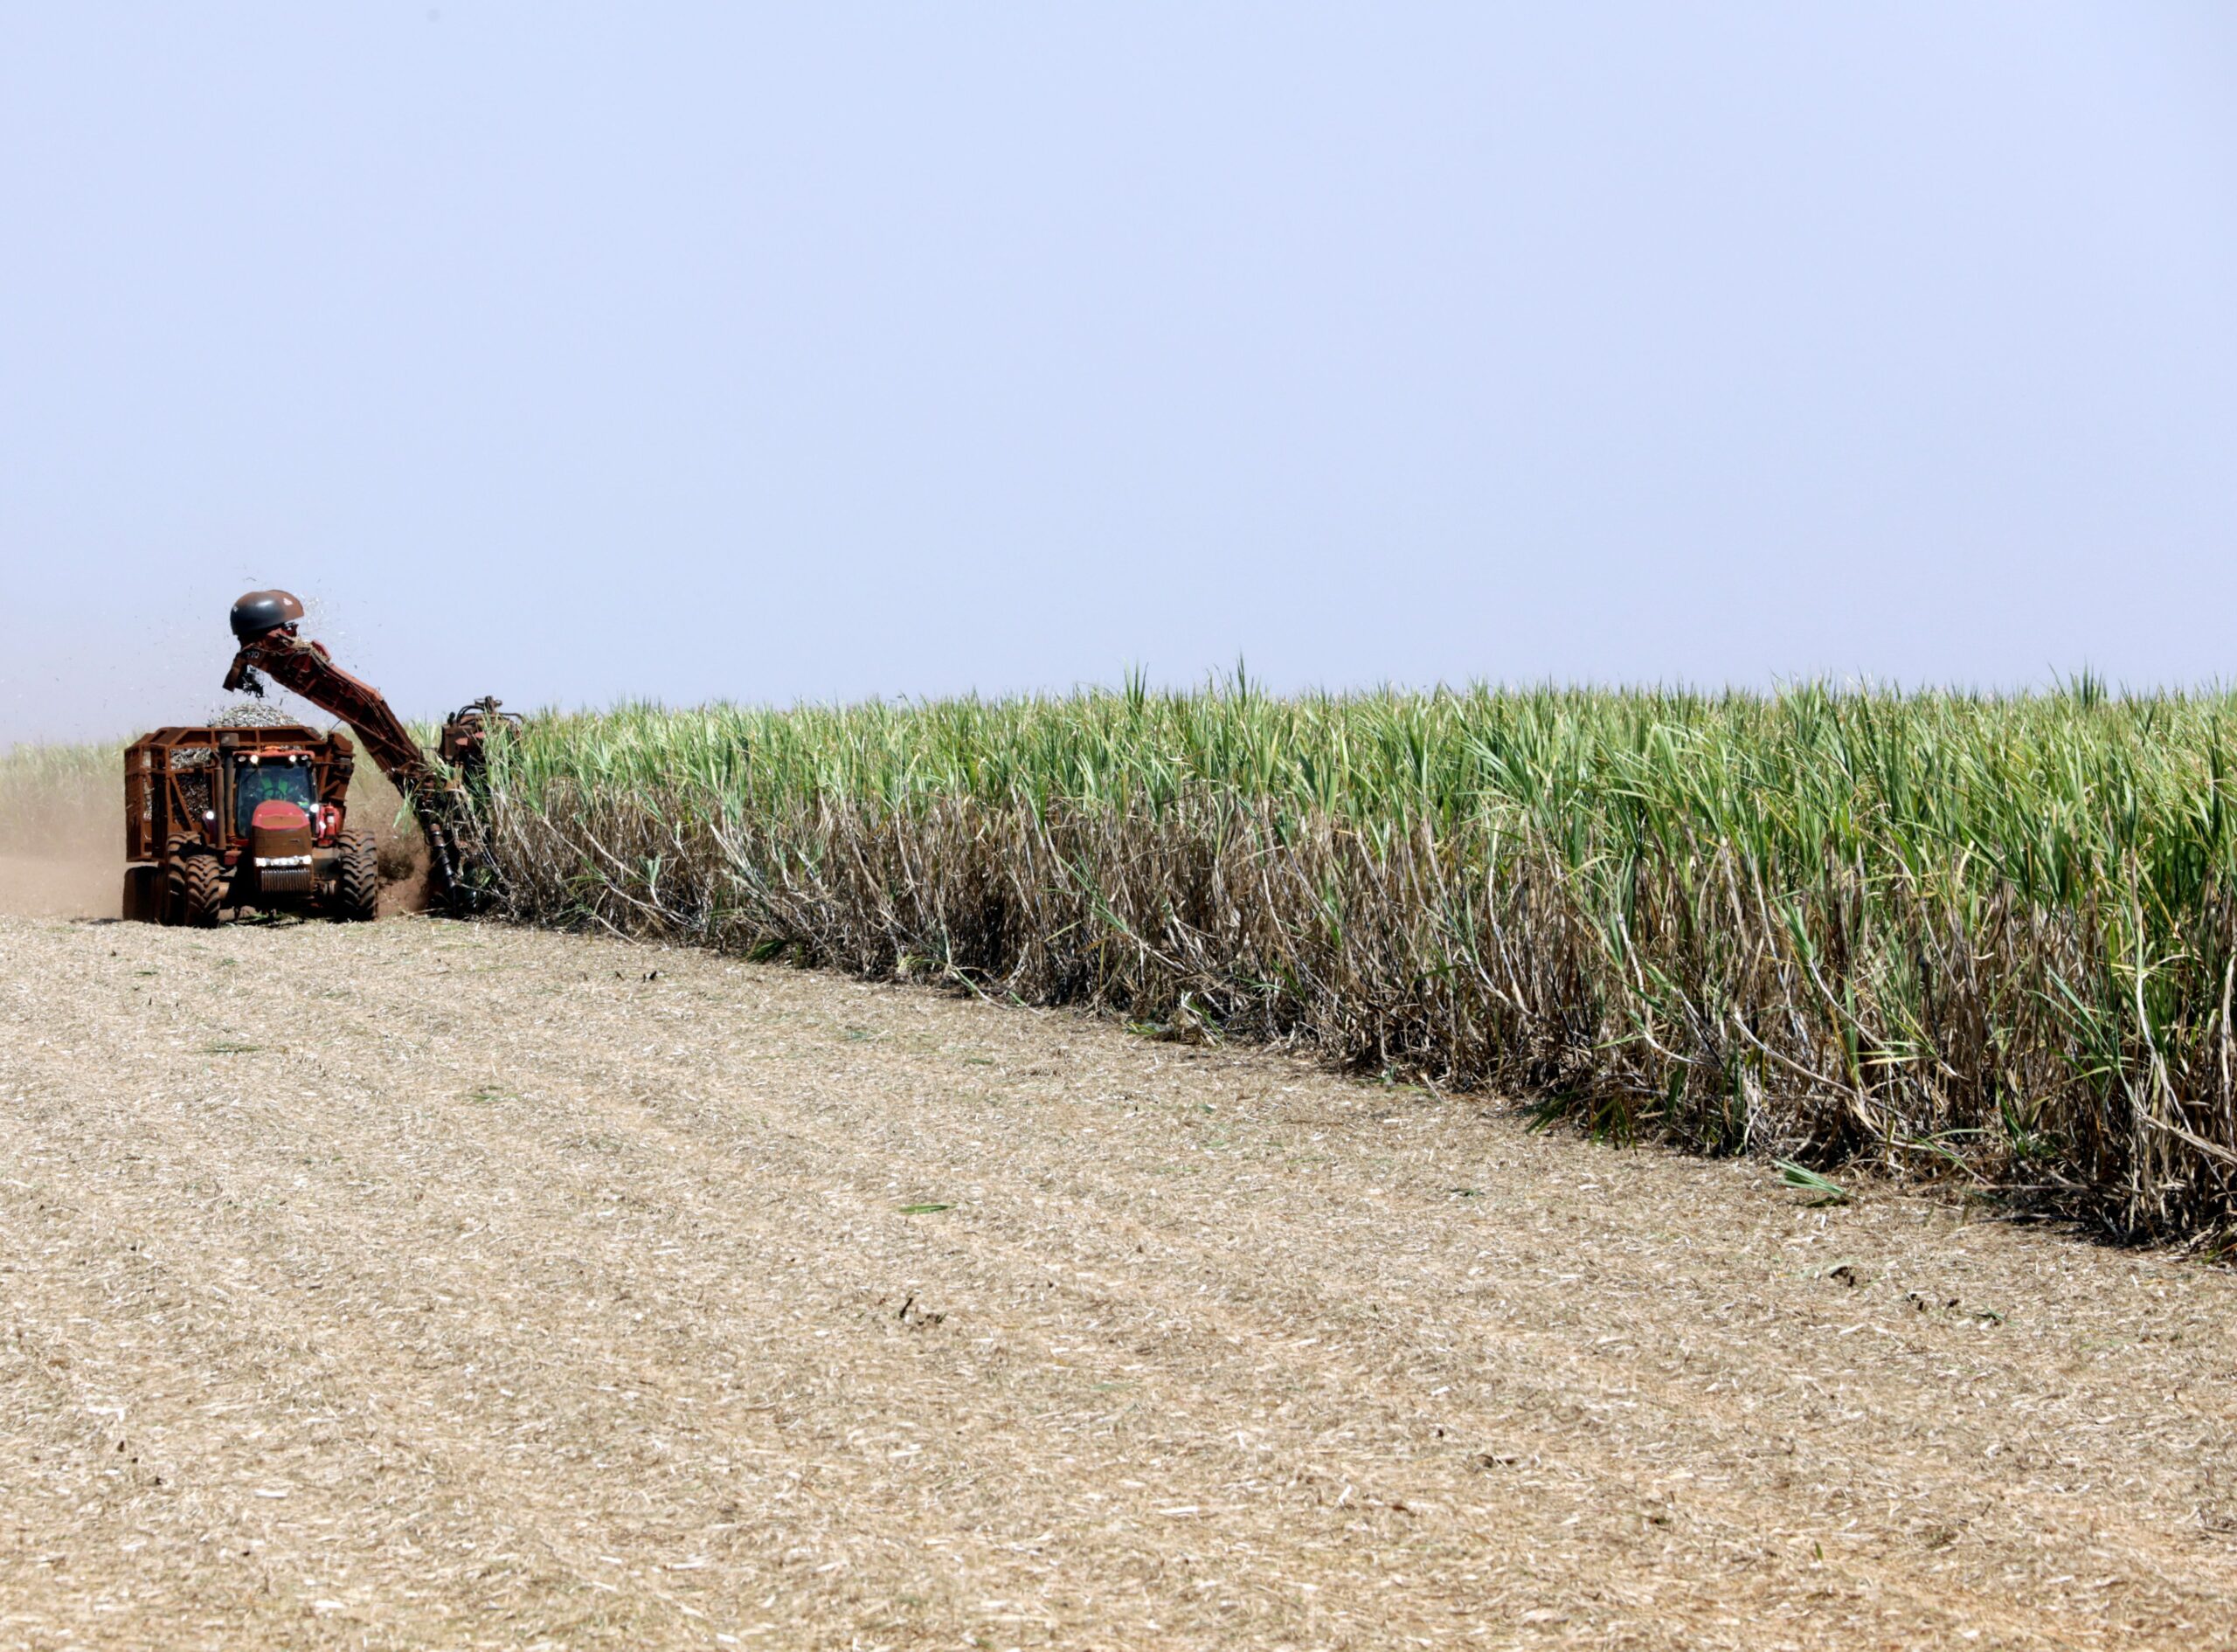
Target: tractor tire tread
[
  {"x": 194, "y": 885},
  {"x": 356, "y": 878}
]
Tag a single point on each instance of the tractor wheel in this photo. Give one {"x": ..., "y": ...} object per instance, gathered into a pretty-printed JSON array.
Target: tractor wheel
[
  {"x": 357, "y": 877},
  {"x": 194, "y": 887}
]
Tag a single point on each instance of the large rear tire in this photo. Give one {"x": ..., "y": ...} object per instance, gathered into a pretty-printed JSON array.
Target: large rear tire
[
  {"x": 194, "y": 886},
  {"x": 357, "y": 877}
]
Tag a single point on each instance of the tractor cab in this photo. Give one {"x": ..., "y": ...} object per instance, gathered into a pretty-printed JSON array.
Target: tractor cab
[{"x": 286, "y": 777}]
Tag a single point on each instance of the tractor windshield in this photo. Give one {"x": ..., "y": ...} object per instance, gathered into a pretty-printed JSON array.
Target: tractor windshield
[{"x": 255, "y": 783}]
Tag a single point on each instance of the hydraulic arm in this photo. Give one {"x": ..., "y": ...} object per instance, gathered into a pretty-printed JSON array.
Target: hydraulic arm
[{"x": 265, "y": 622}]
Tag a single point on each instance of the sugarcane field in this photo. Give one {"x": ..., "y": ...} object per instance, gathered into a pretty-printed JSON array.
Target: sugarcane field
[{"x": 1231, "y": 828}]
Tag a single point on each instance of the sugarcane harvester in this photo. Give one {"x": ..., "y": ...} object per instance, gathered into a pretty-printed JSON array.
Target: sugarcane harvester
[{"x": 461, "y": 872}]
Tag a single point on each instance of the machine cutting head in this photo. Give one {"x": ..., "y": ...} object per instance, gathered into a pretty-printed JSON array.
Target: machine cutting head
[{"x": 260, "y": 612}]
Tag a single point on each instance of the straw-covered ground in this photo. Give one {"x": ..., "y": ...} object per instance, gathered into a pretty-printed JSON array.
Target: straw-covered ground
[{"x": 424, "y": 1284}]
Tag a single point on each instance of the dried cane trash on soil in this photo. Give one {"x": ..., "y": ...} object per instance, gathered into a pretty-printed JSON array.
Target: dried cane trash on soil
[{"x": 496, "y": 1288}]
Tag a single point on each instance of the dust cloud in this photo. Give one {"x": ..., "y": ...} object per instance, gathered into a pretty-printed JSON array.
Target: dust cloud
[
  {"x": 45, "y": 886},
  {"x": 64, "y": 858}
]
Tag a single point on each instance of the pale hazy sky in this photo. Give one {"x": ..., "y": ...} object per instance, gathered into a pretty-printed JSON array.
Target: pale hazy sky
[{"x": 575, "y": 352}]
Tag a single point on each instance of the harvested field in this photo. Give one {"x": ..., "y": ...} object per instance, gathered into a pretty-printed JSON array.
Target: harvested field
[{"x": 425, "y": 1284}]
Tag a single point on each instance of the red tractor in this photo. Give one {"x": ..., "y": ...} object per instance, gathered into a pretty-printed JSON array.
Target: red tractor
[{"x": 250, "y": 817}]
